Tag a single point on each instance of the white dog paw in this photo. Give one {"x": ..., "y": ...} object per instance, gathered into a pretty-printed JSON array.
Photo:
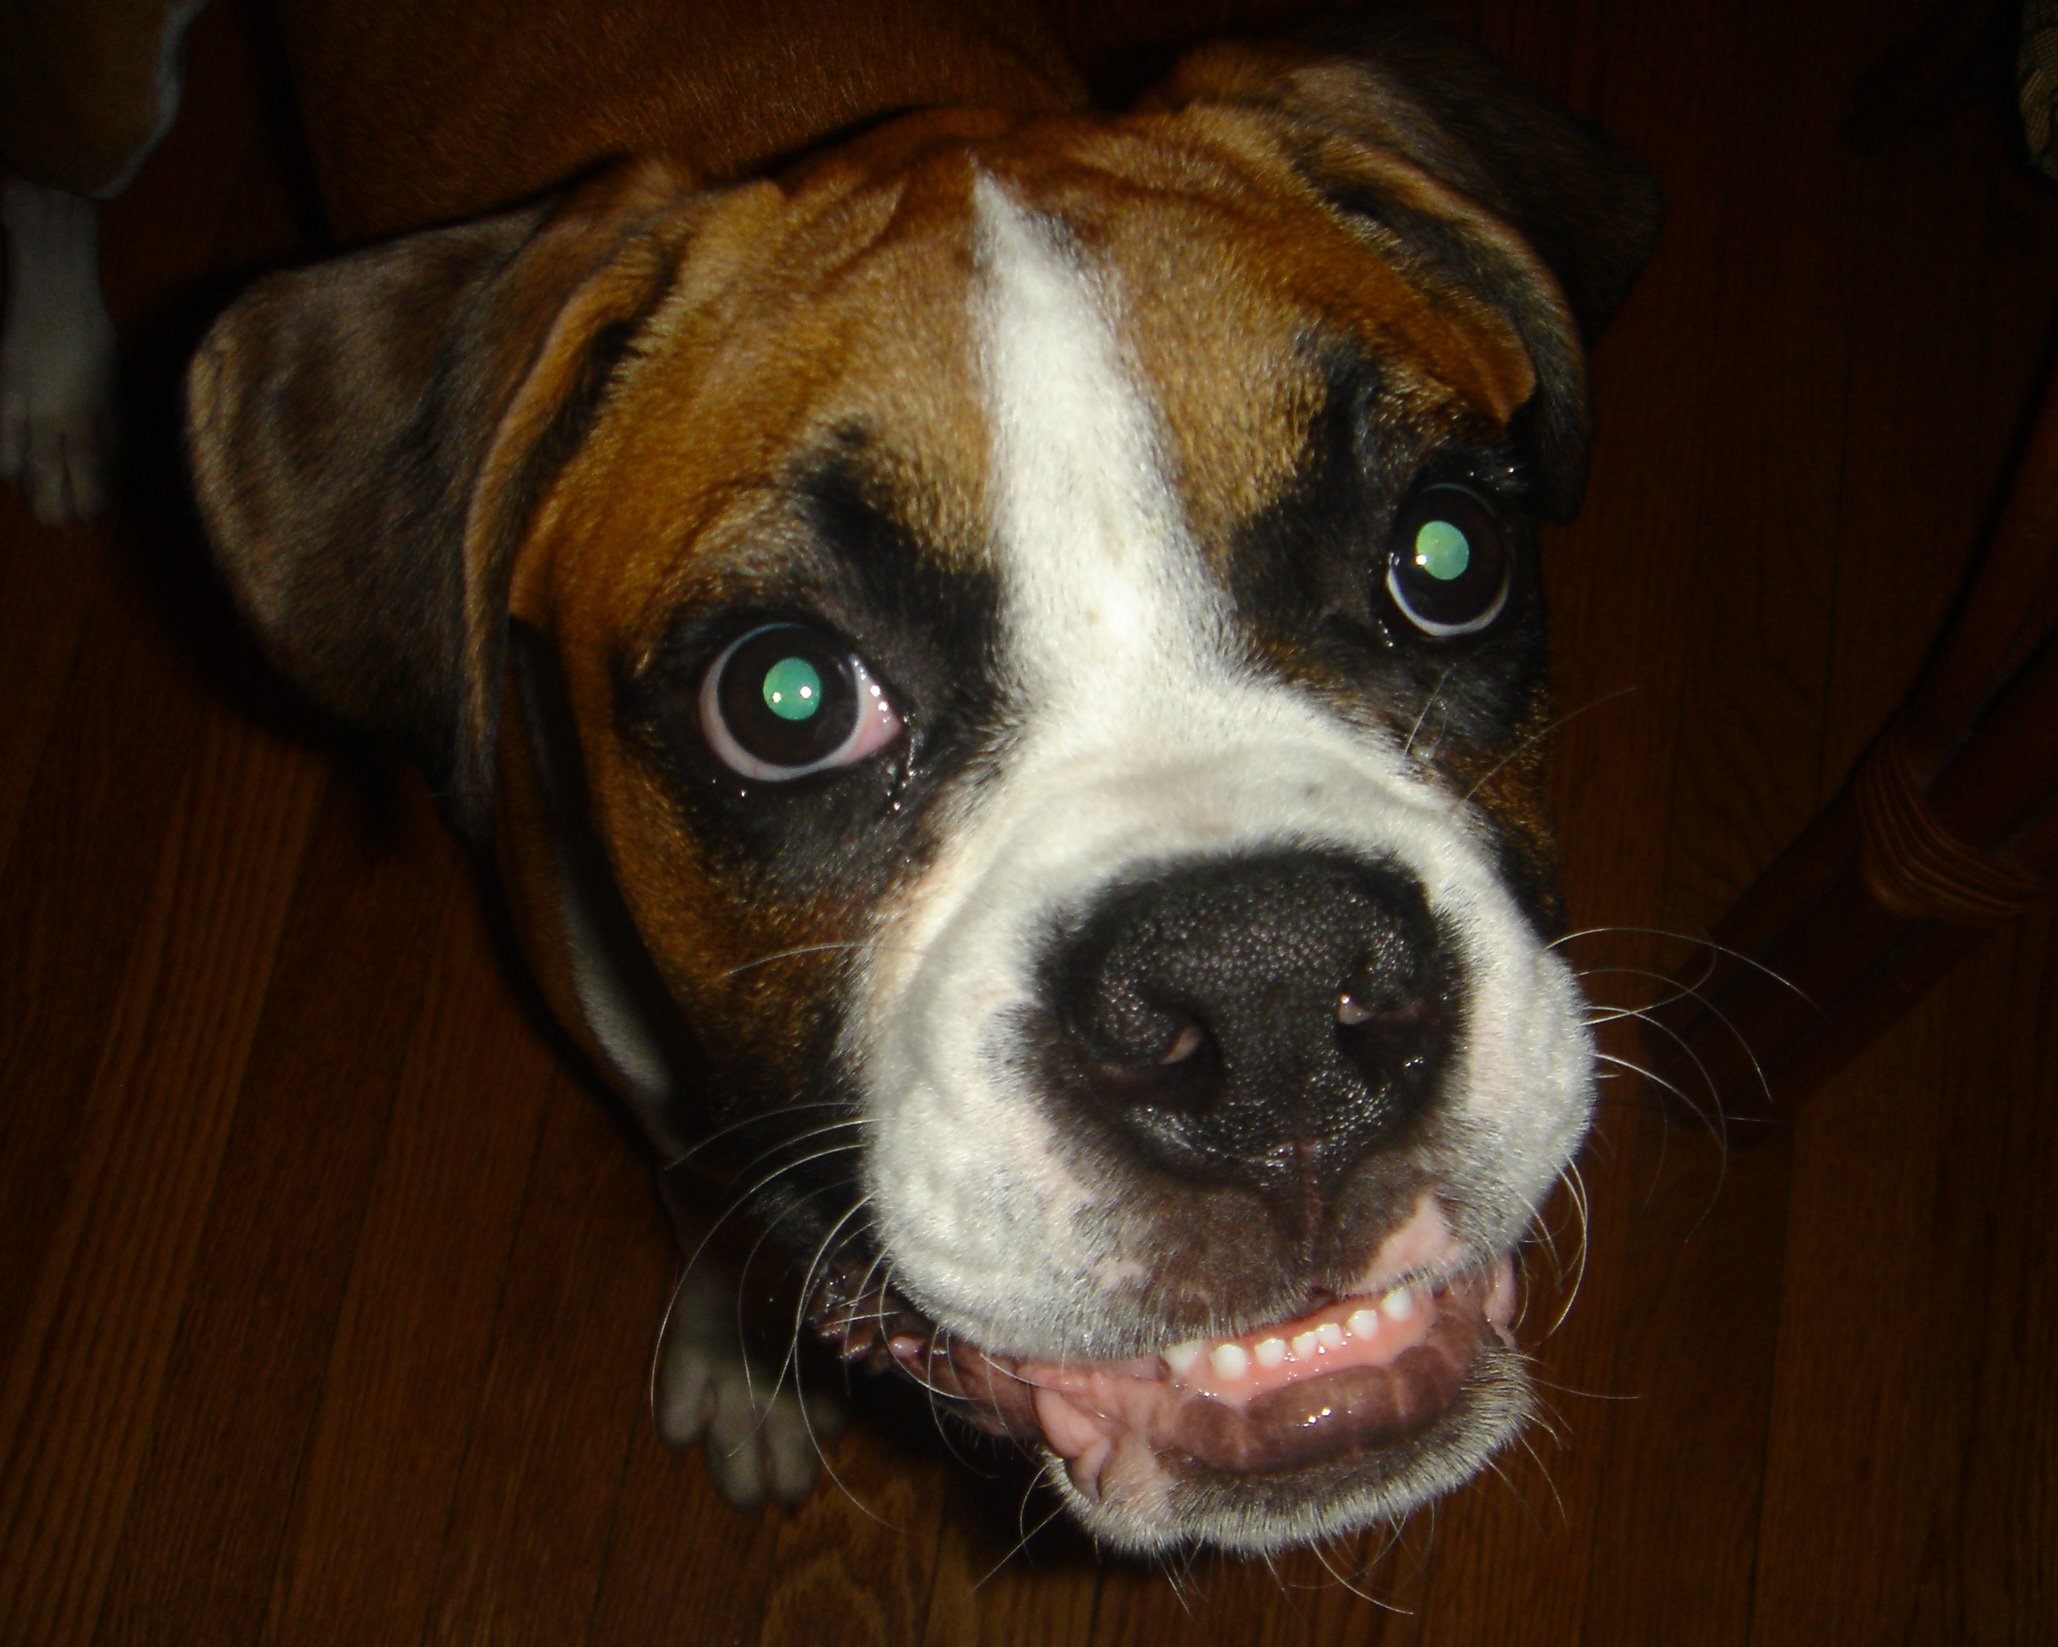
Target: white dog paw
[
  {"x": 57, "y": 425},
  {"x": 760, "y": 1441}
]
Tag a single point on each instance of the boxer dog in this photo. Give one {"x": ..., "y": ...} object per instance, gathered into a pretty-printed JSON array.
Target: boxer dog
[{"x": 997, "y": 650}]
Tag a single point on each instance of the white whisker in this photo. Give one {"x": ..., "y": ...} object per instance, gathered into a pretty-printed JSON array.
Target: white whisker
[
  {"x": 1408, "y": 748},
  {"x": 1700, "y": 941},
  {"x": 1021, "y": 1543},
  {"x": 1537, "y": 737},
  {"x": 764, "y": 1119}
]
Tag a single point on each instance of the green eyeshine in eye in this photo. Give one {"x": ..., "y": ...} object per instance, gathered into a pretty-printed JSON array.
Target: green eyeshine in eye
[
  {"x": 793, "y": 690},
  {"x": 1442, "y": 550}
]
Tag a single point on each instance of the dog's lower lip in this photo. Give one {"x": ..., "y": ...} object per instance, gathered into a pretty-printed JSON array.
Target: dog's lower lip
[{"x": 1137, "y": 1416}]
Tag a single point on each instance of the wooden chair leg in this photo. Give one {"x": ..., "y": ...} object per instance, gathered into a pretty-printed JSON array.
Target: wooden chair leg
[{"x": 1948, "y": 827}]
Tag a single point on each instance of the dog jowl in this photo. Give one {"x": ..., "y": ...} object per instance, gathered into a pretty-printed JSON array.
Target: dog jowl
[{"x": 1018, "y": 638}]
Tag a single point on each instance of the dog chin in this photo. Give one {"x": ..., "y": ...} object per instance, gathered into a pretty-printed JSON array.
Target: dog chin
[
  {"x": 1351, "y": 1413},
  {"x": 1170, "y": 1505}
]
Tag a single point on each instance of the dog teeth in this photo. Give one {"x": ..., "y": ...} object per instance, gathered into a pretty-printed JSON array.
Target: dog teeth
[{"x": 1230, "y": 1361}]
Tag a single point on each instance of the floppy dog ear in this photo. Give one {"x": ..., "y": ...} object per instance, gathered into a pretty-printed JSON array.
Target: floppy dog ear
[
  {"x": 1465, "y": 174},
  {"x": 369, "y": 438}
]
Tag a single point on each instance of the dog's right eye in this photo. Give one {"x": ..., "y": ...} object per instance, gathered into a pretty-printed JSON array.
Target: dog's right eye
[
  {"x": 787, "y": 700},
  {"x": 1451, "y": 564}
]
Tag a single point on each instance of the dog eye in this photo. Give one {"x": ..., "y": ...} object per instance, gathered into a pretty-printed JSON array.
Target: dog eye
[
  {"x": 786, "y": 700},
  {"x": 1451, "y": 564}
]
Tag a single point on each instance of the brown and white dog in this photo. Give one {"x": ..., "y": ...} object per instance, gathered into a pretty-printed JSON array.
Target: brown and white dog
[{"x": 998, "y": 651}]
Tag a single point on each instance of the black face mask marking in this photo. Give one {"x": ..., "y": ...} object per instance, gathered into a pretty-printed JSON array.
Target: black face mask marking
[{"x": 855, "y": 582}]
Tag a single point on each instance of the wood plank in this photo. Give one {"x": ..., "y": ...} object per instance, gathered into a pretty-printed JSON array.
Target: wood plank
[
  {"x": 1673, "y": 1534},
  {"x": 2008, "y": 1488},
  {"x": 49, "y": 581},
  {"x": 76, "y": 892},
  {"x": 403, "y": 1376},
  {"x": 862, "y": 1550},
  {"x": 683, "y": 1566},
  {"x": 84, "y": 1372},
  {"x": 1911, "y": 1334},
  {"x": 244, "y": 1380},
  {"x": 562, "y": 1401},
  {"x": 1292, "y": 1601},
  {"x": 1006, "y": 1573}
]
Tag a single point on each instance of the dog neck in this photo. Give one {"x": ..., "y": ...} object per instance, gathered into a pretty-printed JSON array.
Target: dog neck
[{"x": 458, "y": 128}]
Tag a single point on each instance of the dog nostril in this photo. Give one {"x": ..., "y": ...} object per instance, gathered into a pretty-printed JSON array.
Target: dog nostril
[
  {"x": 1376, "y": 992},
  {"x": 1128, "y": 1026},
  {"x": 1187, "y": 1044},
  {"x": 1157, "y": 1058},
  {"x": 1386, "y": 1022},
  {"x": 1353, "y": 1008}
]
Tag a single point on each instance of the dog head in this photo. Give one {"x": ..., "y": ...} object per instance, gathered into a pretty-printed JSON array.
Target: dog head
[{"x": 1022, "y": 636}]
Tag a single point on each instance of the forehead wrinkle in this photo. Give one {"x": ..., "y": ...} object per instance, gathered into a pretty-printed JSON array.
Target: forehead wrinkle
[{"x": 683, "y": 493}]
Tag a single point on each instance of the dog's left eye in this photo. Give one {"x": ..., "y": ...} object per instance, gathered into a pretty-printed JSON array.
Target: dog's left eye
[
  {"x": 1451, "y": 563},
  {"x": 787, "y": 700}
]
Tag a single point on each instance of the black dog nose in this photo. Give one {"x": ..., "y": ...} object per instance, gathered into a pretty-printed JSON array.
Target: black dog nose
[{"x": 1256, "y": 1018}]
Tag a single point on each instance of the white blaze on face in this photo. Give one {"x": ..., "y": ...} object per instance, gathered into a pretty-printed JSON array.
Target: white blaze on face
[
  {"x": 1143, "y": 740},
  {"x": 1105, "y": 596}
]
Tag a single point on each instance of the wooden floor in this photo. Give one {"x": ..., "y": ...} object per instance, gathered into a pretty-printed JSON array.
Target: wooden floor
[{"x": 326, "y": 1293}]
